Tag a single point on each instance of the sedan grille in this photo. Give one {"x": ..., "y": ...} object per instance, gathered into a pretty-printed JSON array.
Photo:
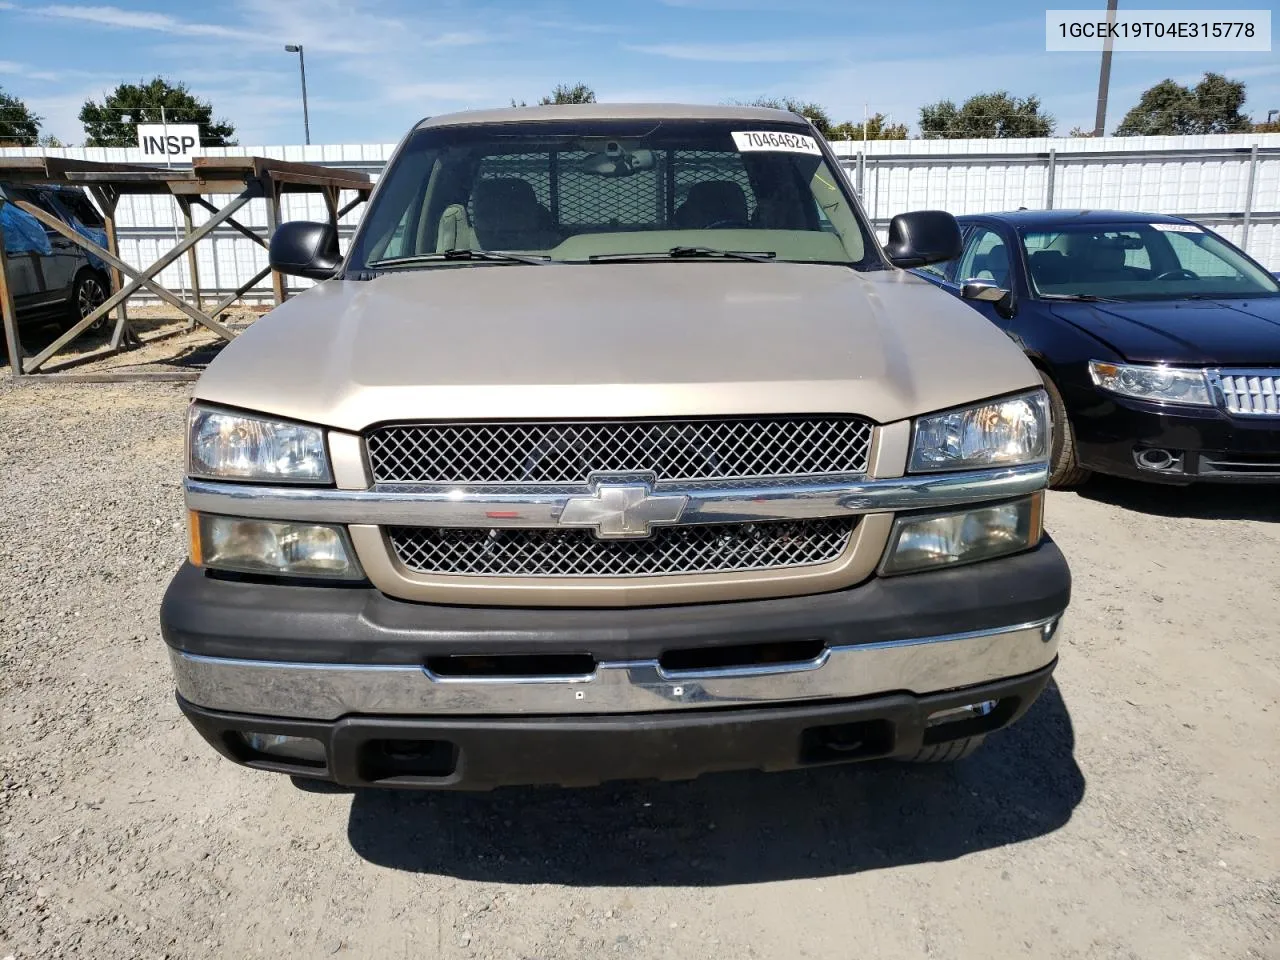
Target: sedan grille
[
  {"x": 1251, "y": 392},
  {"x": 744, "y": 448},
  {"x": 710, "y": 548}
]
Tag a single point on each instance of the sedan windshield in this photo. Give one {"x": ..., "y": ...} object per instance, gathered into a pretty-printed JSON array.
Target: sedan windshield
[
  {"x": 1140, "y": 261},
  {"x": 609, "y": 191}
]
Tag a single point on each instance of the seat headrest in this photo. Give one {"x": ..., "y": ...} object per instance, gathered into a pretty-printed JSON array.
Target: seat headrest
[
  {"x": 713, "y": 201},
  {"x": 508, "y": 202},
  {"x": 1106, "y": 257}
]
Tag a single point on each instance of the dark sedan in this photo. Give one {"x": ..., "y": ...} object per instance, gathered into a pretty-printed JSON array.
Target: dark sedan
[{"x": 1158, "y": 341}]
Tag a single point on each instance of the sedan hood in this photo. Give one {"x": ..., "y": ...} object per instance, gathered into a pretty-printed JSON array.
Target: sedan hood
[
  {"x": 615, "y": 340},
  {"x": 1190, "y": 332}
]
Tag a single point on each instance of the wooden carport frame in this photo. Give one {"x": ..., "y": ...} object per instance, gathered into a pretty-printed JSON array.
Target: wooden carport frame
[{"x": 245, "y": 178}]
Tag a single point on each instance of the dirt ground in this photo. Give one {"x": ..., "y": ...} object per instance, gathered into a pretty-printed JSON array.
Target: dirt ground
[{"x": 1135, "y": 812}]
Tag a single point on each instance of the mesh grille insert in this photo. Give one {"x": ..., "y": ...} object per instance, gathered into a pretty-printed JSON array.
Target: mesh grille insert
[
  {"x": 711, "y": 548},
  {"x": 567, "y": 453}
]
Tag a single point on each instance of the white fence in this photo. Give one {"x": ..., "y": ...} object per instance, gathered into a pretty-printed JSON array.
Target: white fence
[{"x": 1230, "y": 183}]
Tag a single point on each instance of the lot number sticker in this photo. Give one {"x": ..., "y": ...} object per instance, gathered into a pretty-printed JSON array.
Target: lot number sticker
[
  {"x": 772, "y": 140},
  {"x": 1176, "y": 228}
]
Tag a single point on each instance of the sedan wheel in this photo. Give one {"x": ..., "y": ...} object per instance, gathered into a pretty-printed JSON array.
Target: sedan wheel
[{"x": 1064, "y": 470}]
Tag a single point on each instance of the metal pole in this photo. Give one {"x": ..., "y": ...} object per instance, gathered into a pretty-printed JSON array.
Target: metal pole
[
  {"x": 1248, "y": 199},
  {"x": 1048, "y": 177},
  {"x": 306, "y": 119},
  {"x": 1104, "y": 76}
]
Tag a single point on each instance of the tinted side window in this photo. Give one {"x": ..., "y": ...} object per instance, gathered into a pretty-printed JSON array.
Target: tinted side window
[
  {"x": 985, "y": 257},
  {"x": 78, "y": 205}
]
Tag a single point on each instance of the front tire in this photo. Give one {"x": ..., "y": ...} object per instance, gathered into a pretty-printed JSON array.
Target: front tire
[{"x": 1064, "y": 469}]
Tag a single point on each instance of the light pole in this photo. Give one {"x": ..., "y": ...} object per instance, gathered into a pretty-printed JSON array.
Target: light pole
[
  {"x": 302, "y": 66},
  {"x": 1104, "y": 76}
]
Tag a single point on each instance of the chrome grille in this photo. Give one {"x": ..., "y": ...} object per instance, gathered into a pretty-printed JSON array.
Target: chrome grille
[
  {"x": 743, "y": 448},
  {"x": 1255, "y": 392},
  {"x": 710, "y": 548}
]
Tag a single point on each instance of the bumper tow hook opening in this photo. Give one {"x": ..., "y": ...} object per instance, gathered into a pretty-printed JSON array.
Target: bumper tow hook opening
[
  {"x": 411, "y": 759},
  {"x": 847, "y": 741}
]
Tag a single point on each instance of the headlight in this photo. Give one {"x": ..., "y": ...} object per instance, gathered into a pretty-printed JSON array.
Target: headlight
[
  {"x": 235, "y": 446},
  {"x": 1000, "y": 433},
  {"x": 274, "y": 547},
  {"x": 1164, "y": 384},
  {"x": 965, "y": 536}
]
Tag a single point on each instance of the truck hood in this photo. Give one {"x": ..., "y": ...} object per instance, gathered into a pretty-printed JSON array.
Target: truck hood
[
  {"x": 615, "y": 340},
  {"x": 1242, "y": 332}
]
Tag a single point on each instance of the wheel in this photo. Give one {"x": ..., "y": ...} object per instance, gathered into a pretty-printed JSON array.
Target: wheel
[
  {"x": 947, "y": 752},
  {"x": 1064, "y": 471},
  {"x": 87, "y": 295}
]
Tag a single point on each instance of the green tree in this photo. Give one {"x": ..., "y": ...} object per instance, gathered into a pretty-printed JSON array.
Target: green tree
[
  {"x": 986, "y": 116},
  {"x": 563, "y": 93},
  {"x": 878, "y": 128},
  {"x": 1170, "y": 109},
  {"x": 111, "y": 123},
  {"x": 816, "y": 113},
  {"x": 18, "y": 125}
]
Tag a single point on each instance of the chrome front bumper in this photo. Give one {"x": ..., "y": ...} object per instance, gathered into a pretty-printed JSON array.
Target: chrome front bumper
[{"x": 319, "y": 691}]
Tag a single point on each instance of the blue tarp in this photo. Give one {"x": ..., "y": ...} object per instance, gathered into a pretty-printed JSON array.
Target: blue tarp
[
  {"x": 23, "y": 233},
  {"x": 96, "y": 234}
]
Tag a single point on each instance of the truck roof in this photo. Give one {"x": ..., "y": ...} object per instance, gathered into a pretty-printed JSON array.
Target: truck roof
[{"x": 613, "y": 111}]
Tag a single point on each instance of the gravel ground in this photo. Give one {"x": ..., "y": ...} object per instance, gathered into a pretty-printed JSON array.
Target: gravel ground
[{"x": 1133, "y": 813}]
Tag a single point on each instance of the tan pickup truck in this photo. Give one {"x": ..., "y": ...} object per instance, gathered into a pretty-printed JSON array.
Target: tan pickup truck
[{"x": 616, "y": 446}]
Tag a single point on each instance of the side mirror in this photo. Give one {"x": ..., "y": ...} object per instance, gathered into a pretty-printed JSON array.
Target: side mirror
[
  {"x": 921, "y": 237},
  {"x": 301, "y": 248},
  {"x": 982, "y": 290}
]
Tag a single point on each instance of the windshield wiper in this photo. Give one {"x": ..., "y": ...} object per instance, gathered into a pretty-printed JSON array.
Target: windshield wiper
[
  {"x": 1078, "y": 297},
  {"x": 690, "y": 253},
  {"x": 462, "y": 253}
]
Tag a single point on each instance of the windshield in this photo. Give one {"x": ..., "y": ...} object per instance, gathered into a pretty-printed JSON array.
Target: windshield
[
  {"x": 584, "y": 191},
  {"x": 1140, "y": 261}
]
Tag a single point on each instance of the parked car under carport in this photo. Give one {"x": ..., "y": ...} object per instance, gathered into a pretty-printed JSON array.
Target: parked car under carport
[{"x": 53, "y": 280}]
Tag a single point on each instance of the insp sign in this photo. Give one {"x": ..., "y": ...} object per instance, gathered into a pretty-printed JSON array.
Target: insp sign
[{"x": 172, "y": 142}]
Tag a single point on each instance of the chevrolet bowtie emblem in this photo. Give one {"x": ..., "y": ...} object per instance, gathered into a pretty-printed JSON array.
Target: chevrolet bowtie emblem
[{"x": 621, "y": 510}]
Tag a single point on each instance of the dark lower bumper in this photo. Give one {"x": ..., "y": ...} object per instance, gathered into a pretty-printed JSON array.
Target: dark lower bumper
[
  {"x": 471, "y": 753},
  {"x": 208, "y": 617},
  {"x": 1207, "y": 444}
]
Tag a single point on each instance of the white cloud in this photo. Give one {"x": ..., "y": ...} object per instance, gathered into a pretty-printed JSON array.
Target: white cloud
[
  {"x": 133, "y": 20},
  {"x": 783, "y": 51}
]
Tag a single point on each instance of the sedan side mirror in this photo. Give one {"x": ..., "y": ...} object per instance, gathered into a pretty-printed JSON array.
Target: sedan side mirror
[
  {"x": 922, "y": 237},
  {"x": 982, "y": 290},
  {"x": 301, "y": 248}
]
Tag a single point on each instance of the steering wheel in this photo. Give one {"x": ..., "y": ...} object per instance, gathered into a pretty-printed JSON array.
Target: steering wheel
[
  {"x": 1180, "y": 274},
  {"x": 728, "y": 222}
]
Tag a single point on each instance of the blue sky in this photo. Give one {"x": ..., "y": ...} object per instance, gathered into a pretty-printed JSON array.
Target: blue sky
[{"x": 375, "y": 66}]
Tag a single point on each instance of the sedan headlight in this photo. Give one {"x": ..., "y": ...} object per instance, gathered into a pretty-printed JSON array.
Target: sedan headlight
[
  {"x": 1151, "y": 382},
  {"x": 234, "y": 446},
  {"x": 995, "y": 434}
]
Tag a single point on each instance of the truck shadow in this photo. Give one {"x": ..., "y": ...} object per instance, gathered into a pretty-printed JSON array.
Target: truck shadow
[
  {"x": 1203, "y": 501},
  {"x": 737, "y": 828}
]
